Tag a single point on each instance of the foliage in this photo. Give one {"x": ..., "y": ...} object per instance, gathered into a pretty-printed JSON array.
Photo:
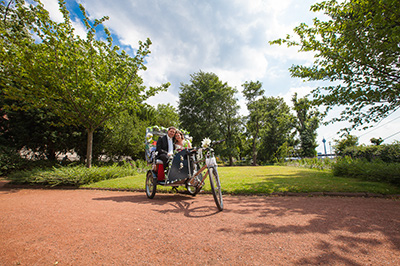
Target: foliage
[
  {"x": 276, "y": 127},
  {"x": 389, "y": 153},
  {"x": 252, "y": 92},
  {"x": 346, "y": 142},
  {"x": 83, "y": 81},
  {"x": 358, "y": 51},
  {"x": 124, "y": 136},
  {"x": 230, "y": 126},
  {"x": 72, "y": 175},
  {"x": 166, "y": 116},
  {"x": 306, "y": 124},
  {"x": 376, "y": 141},
  {"x": 283, "y": 152},
  {"x": 312, "y": 163},
  {"x": 38, "y": 131},
  {"x": 11, "y": 161},
  {"x": 375, "y": 170},
  {"x": 207, "y": 108}
]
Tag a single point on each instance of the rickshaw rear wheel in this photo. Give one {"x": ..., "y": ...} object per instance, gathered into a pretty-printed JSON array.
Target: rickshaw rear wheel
[
  {"x": 216, "y": 187},
  {"x": 151, "y": 185}
]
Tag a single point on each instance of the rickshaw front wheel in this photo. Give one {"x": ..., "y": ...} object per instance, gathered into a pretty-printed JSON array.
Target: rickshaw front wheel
[
  {"x": 215, "y": 184},
  {"x": 151, "y": 185}
]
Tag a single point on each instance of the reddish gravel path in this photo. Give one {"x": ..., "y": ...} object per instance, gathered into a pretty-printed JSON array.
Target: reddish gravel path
[{"x": 93, "y": 227}]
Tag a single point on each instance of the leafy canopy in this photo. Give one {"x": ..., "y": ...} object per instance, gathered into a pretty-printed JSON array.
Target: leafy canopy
[
  {"x": 357, "y": 50},
  {"x": 206, "y": 107},
  {"x": 85, "y": 81}
]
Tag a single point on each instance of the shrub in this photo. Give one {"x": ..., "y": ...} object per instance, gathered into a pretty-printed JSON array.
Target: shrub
[
  {"x": 9, "y": 160},
  {"x": 73, "y": 175},
  {"x": 375, "y": 170},
  {"x": 389, "y": 153},
  {"x": 312, "y": 163}
]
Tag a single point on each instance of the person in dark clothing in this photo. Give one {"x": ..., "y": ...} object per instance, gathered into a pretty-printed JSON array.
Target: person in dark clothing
[{"x": 165, "y": 146}]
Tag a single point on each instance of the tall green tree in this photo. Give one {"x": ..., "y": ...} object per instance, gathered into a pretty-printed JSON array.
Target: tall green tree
[
  {"x": 125, "y": 136},
  {"x": 230, "y": 126},
  {"x": 357, "y": 50},
  {"x": 167, "y": 116},
  {"x": 276, "y": 128},
  {"x": 346, "y": 142},
  {"x": 84, "y": 81},
  {"x": 307, "y": 123},
  {"x": 252, "y": 92},
  {"x": 208, "y": 108}
]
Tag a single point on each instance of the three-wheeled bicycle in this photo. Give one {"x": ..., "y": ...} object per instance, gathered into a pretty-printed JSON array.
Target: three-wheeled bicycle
[{"x": 187, "y": 167}]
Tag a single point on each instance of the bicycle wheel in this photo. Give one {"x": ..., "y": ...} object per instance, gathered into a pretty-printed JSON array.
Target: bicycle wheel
[
  {"x": 151, "y": 185},
  {"x": 216, "y": 187}
]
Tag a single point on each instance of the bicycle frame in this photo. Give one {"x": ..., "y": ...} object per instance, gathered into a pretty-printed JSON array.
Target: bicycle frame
[{"x": 209, "y": 162}]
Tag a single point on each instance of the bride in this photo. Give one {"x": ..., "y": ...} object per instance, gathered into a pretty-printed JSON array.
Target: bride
[{"x": 180, "y": 142}]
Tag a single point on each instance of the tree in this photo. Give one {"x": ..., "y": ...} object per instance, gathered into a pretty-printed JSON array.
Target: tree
[
  {"x": 167, "y": 116},
  {"x": 35, "y": 130},
  {"x": 84, "y": 81},
  {"x": 358, "y": 51},
  {"x": 376, "y": 141},
  {"x": 125, "y": 136},
  {"x": 252, "y": 91},
  {"x": 207, "y": 108},
  {"x": 230, "y": 126},
  {"x": 276, "y": 128},
  {"x": 346, "y": 142},
  {"x": 307, "y": 123}
]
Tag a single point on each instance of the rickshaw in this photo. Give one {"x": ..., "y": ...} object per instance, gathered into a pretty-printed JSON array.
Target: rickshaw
[{"x": 188, "y": 167}]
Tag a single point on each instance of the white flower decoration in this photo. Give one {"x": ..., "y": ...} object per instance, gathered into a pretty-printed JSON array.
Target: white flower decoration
[
  {"x": 205, "y": 143},
  {"x": 149, "y": 137}
]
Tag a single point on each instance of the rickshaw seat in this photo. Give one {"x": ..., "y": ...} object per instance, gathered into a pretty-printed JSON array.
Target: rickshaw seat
[{"x": 158, "y": 161}]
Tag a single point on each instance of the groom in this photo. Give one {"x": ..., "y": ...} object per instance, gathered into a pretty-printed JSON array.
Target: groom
[{"x": 165, "y": 146}]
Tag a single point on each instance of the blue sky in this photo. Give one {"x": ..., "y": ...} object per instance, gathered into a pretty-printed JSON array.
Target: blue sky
[{"x": 226, "y": 37}]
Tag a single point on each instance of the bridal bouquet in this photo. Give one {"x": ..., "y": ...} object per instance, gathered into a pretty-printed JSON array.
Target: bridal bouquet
[{"x": 205, "y": 143}]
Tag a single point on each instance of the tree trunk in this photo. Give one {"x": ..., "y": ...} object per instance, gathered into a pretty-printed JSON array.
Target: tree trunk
[
  {"x": 254, "y": 146},
  {"x": 89, "y": 150},
  {"x": 254, "y": 153}
]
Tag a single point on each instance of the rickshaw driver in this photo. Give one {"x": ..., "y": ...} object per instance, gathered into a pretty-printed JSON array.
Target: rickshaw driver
[{"x": 165, "y": 146}]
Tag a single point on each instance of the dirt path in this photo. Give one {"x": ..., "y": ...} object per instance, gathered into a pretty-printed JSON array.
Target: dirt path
[{"x": 92, "y": 227}]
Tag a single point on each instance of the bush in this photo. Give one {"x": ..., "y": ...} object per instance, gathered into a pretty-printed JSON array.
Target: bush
[
  {"x": 312, "y": 163},
  {"x": 10, "y": 160},
  {"x": 73, "y": 175},
  {"x": 375, "y": 170},
  {"x": 389, "y": 153}
]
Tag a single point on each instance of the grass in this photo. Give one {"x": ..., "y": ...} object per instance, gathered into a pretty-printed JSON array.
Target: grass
[{"x": 267, "y": 179}]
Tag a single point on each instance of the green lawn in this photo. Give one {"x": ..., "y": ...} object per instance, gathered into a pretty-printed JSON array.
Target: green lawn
[{"x": 268, "y": 179}]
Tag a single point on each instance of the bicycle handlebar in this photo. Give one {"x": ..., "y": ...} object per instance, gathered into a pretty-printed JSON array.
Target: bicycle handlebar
[
  {"x": 213, "y": 143},
  {"x": 216, "y": 142}
]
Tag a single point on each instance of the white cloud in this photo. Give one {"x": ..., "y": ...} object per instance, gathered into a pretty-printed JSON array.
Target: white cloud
[{"x": 54, "y": 10}]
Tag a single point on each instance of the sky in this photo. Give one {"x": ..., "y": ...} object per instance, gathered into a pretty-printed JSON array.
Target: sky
[{"x": 226, "y": 37}]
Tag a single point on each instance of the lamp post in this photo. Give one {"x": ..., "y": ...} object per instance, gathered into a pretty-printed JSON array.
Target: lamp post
[{"x": 330, "y": 148}]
